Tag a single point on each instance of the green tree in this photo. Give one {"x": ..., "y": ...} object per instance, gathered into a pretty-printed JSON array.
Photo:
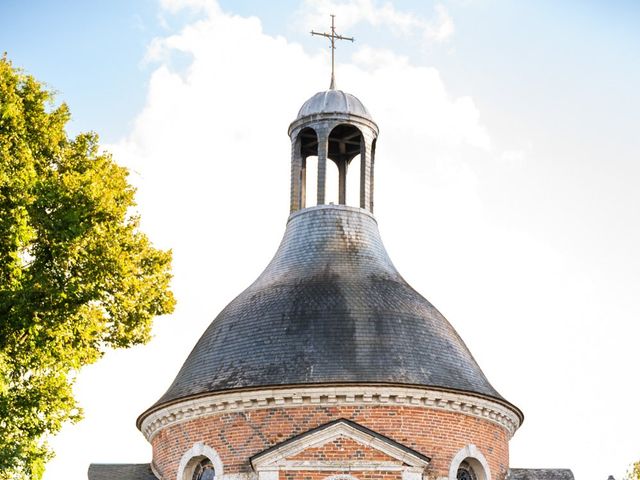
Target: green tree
[
  {"x": 634, "y": 472},
  {"x": 76, "y": 274}
]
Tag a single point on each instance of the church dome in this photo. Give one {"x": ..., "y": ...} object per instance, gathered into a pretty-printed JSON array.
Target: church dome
[
  {"x": 334, "y": 101},
  {"x": 330, "y": 308}
]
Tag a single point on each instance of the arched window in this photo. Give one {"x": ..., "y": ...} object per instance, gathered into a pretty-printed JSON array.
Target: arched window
[
  {"x": 469, "y": 464},
  {"x": 204, "y": 470},
  {"x": 466, "y": 472},
  {"x": 200, "y": 462}
]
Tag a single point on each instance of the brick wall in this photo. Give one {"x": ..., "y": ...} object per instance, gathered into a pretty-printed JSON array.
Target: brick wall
[
  {"x": 238, "y": 436},
  {"x": 341, "y": 448}
]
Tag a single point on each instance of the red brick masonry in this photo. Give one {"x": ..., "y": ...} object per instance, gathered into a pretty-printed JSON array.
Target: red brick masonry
[
  {"x": 238, "y": 436},
  {"x": 340, "y": 449}
]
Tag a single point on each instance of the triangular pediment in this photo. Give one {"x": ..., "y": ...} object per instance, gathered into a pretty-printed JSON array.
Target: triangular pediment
[
  {"x": 343, "y": 448},
  {"x": 341, "y": 441}
]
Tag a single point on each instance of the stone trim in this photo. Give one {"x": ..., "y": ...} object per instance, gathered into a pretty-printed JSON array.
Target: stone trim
[
  {"x": 359, "y": 465},
  {"x": 341, "y": 476},
  {"x": 151, "y": 423},
  {"x": 408, "y": 474},
  {"x": 476, "y": 459},
  {"x": 199, "y": 449},
  {"x": 331, "y": 117},
  {"x": 325, "y": 206},
  {"x": 155, "y": 470}
]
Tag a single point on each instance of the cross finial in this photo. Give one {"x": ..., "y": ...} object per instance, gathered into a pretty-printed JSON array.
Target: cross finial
[{"x": 333, "y": 36}]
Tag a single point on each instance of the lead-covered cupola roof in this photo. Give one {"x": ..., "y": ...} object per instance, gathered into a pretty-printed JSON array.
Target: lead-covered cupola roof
[
  {"x": 330, "y": 308},
  {"x": 334, "y": 101}
]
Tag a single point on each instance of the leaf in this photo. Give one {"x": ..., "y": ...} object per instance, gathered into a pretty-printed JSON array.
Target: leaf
[{"x": 76, "y": 274}]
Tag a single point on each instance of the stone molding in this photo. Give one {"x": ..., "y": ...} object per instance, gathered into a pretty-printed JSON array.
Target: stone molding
[
  {"x": 276, "y": 458},
  {"x": 332, "y": 119},
  {"x": 472, "y": 454},
  {"x": 341, "y": 476},
  {"x": 269, "y": 463},
  {"x": 154, "y": 469},
  {"x": 349, "y": 208},
  {"x": 331, "y": 466},
  {"x": 199, "y": 449},
  {"x": 153, "y": 422}
]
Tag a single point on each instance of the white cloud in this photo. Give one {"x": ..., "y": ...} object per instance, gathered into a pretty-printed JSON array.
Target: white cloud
[
  {"x": 211, "y": 160},
  {"x": 209, "y": 154},
  {"x": 442, "y": 28},
  {"x": 234, "y": 102},
  {"x": 513, "y": 156},
  {"x": 416, "y": 98},
  {"x": 174, "y": 6},
  {"x": 313, "y": 15}
]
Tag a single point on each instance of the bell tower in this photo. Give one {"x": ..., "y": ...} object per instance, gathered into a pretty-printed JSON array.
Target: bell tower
[
  {"x": 335, "y": 126},
  {"x": 329, "y": 353},
  {"x": 329, "y": 366}
]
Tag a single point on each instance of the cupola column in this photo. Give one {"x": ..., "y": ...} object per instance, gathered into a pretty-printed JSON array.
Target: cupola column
[
  {"x": 342, "y": 182},
  {"x": 366, "y": 173},
  {"x": 297, "y": 176},
  {"x": 303, "y": 184},
  {"x": 371, "y": 182},
  {"x": 323, "y": 148}
]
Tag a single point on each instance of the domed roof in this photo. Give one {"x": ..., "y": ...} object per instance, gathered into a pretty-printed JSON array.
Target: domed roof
[
  {"x": 334, "y": 101},
  {"x": 330, "y": 308}
]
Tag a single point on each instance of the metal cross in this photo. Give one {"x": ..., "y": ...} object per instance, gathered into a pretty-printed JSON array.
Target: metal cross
[{"x": 333, "y": 36}]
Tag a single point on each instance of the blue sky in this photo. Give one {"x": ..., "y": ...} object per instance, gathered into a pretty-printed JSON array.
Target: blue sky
[
  {"x": 92, "y": 52},
  {"x": 506, "y": 185}
]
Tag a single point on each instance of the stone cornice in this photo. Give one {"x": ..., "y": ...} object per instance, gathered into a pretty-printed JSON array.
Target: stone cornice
[
  {"x": 331, "y": 118},
  {"x": 493, "y": 411},
  {"x": 347, "y": 208}
]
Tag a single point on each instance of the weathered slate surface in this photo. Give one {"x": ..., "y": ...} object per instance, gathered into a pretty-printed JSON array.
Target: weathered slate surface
[
  {"x": 540, "y": 474},
  {"x": 120, "y": 471},
  {"x": 329, "y": 308}
]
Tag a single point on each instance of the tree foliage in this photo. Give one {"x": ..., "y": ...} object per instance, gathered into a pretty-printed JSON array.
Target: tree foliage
[
  {"x": 76, "y": 274},
  {"x": 634, "y": 471}
]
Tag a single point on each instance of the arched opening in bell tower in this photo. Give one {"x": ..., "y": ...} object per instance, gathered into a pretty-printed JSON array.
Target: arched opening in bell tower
[
  {"x": 344, "y": 145},
  {"x": 332, "y": 185},
  {"x": 353, "y": 181},
  {"x": 372, "y": 163},
  {"x": 332, "y": 163},
  {"x": 308, "y": 147}
]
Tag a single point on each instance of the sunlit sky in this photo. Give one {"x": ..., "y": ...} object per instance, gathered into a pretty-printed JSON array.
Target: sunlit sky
[{"x": 507, "y": 184}]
